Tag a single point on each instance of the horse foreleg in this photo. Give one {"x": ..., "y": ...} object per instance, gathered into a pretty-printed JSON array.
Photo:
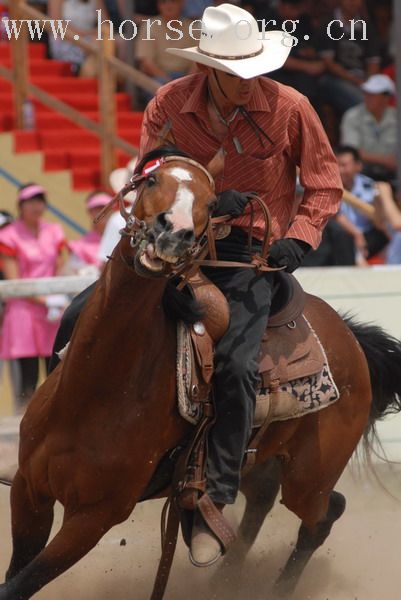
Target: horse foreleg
[
  {"x": 80, "y": 532},
  {"x": 30, "y": 526},
  {"x": 310, "y": 537}
]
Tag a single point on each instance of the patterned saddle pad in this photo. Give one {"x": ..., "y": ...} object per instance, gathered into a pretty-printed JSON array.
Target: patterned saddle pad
[{"x": 293, "y": 399}]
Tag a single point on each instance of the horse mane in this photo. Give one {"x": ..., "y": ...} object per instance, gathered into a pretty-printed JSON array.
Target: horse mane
[
  {"x": 160, "y": 152},
  {"x": 180, "y": 305}
]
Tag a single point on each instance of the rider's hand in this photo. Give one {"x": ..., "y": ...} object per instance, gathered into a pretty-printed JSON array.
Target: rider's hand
[
  {"x": 288, "y": 253},
  {"x": 231, "y": 202}
]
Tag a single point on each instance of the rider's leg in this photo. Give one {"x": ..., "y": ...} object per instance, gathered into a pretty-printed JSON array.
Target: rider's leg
[
  {"x": 236, "y": 374},
  {"x": 249, "y": 295}
]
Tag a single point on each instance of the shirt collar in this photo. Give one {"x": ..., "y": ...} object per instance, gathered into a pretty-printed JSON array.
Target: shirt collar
[
  {"x": 259, "y": 101},
  {"x": 196, "y": 102}
]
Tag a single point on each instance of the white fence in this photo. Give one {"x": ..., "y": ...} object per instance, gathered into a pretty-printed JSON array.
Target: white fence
[
  {"x": 372, "y": 295},
  {"x": 22, "y": 288}
]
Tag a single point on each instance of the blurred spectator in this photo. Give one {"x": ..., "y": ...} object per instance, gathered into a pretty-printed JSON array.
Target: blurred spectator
[
  {"x": 381, "y": 15},
  {"x": 145, "y": 8},
  {"x": 257, "y": 8},
  {"x": 84, "y": 257},
  {"x": 151, "y": 49},
  {"x": 337, "y": 246},
  {"x": 39, "y": 4},
  {"x": 193, "y": 9},
  {"x": 393, "y": 254},
  {"x": 30, "y": 247},
  {"x": 83, "y": 20},
  {"x": 111, "y": 236},
  {"x": 303, "y": 66},
  {"x": 390, "y": 72},
  {"x": 368, "y": 239},
  {"x": 335, "y": 250},
  {"x": 349, "y": 62},
  {"x": 388, "y": 210},
  {"x": 390, "y": 214},
  {"x": 6, "y": 219},
  {"x": 115, "y": 10},
  {"x": 371, "y": 127}
]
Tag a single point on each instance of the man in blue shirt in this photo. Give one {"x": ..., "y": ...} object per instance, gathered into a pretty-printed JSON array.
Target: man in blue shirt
[{"x": 368, "y": 240}]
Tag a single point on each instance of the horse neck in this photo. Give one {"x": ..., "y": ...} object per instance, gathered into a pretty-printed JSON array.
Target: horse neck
[{"x": 122, "y": 286}]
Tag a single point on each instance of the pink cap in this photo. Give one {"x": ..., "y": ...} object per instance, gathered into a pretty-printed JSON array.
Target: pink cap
[
  {"x": 30, "y": 192},
  {"x": 101, "y": 199}
]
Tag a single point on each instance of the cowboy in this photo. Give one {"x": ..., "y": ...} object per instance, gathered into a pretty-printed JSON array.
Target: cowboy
[{"x": 266, "y": 130}]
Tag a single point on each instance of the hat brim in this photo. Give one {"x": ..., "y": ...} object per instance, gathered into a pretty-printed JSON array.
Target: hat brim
[{"x": 273, "y": 56}]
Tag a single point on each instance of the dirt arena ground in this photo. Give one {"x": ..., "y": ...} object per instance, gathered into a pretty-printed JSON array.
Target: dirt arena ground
[{"x": 360, "y": 560}]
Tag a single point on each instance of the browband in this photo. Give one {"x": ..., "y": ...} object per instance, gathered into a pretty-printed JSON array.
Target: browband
[{"x": 152, "y": 165}]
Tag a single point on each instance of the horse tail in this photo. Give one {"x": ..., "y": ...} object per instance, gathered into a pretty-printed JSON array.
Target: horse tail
[{"x": 383, "y": 355}]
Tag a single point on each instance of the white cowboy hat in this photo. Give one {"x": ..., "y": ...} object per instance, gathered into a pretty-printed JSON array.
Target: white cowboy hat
[
  {"x": 231, "y": 42},
  {"x": 120, "y": 177}
]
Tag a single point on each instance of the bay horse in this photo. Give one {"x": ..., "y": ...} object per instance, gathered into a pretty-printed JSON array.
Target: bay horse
[{"x": 96, "y": 430}]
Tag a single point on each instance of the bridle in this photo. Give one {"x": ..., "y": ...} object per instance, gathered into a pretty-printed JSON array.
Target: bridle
[{"x": 136, "y": 229}]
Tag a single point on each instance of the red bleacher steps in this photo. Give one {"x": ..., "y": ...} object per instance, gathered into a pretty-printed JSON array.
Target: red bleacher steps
[{"x": 64, "y": 145}]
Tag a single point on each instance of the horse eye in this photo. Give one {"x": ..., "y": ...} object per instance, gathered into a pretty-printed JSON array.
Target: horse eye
[{"x": 151, "y": 181}]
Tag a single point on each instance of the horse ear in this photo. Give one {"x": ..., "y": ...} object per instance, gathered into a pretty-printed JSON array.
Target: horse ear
[{"x": 216, "y": 165}]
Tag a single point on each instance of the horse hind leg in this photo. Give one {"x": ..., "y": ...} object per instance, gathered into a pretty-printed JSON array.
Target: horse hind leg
[
  {"x": 260, "y": 488},
  {"x": 80, "y": 532},
  {"x": 310, "y": 537},
  {"x": 30, "y": 526}
]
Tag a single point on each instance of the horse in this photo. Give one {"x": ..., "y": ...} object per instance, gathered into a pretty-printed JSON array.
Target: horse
[{"x": 96, "y": 430}]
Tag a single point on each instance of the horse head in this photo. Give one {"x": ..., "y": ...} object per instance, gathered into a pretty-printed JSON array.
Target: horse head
[{"x": 175, "y": 197}]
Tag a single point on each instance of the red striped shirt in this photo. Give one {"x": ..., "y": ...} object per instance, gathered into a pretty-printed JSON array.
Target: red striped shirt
[{"x": 269, "y": 169}]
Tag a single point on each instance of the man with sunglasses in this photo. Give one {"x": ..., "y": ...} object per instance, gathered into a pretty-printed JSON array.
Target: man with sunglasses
[{"x": 266, "y": 130}]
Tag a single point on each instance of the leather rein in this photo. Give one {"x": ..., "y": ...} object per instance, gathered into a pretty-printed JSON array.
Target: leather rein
[{"x": 136, "y": 229}]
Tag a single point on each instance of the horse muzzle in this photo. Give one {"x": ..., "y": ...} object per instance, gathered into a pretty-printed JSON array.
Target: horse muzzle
[{"x": 159, "y": 255}]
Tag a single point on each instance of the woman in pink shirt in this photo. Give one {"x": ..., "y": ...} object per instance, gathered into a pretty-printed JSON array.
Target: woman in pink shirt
[
  {"x": 85, "y": 250},
  {"x": 30, "y": 247}
]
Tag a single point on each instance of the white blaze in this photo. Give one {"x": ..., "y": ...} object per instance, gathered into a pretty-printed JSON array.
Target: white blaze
[
  {"x": 180, "y": 174},
  {"x": 180, "y": 214}
]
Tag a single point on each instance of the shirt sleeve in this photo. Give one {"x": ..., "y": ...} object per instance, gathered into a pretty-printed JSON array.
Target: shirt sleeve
[
  {"x": 154, "y": 127},
  {"x": 319, "y": 175},
  {"x": 350, "y": 133}
]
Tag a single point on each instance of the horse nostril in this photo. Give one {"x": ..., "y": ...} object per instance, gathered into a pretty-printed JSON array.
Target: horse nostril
[
  {"x": 162, "y": 222},
  {"x": 188, "y": 236}
]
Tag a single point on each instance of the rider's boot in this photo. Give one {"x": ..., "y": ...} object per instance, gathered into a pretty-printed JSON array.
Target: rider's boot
[{"x": 205, "y": 547}]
